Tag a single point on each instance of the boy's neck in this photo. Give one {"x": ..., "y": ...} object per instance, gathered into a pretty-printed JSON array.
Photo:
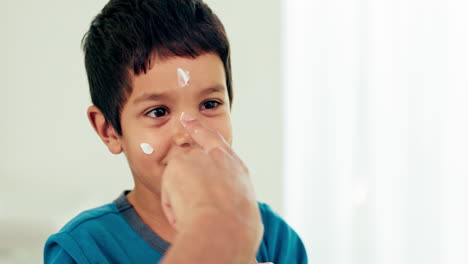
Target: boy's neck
[{"x": 148, "y": 207}]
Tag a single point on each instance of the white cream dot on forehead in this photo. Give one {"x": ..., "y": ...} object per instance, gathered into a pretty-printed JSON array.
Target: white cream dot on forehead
[
  {"x": 147, "y": 149},
  {"x": 183, "y": 77}
]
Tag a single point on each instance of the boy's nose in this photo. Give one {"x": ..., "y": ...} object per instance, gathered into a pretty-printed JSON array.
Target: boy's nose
[{"x": 181, "y": 137}]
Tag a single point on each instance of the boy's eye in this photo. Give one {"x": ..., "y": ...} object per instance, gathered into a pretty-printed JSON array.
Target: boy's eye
[
  {"x": 158, "y": 112},
  {"x": 210, "y": 104}
]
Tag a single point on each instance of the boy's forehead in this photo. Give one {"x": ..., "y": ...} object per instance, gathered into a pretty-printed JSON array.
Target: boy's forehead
[
  {"x": 162, "y": 63},
  {"x": 203, "y": 74}
]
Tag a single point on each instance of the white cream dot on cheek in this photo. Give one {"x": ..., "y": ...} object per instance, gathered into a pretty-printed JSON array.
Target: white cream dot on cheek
[{"x": 147, "y": 149}]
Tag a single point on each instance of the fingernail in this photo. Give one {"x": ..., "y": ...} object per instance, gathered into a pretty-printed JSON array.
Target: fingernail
[{"x": 184, "y": 117}]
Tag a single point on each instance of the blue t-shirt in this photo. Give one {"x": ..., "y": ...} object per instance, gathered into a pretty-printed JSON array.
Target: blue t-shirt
[{"x": 114, "y": 233}]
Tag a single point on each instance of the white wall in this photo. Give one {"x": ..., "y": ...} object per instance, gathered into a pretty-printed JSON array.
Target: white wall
[
  {"x": 53, "y": 166},
  {"x": 254, "y": 31},
  {"x": 377, "y": 136}
]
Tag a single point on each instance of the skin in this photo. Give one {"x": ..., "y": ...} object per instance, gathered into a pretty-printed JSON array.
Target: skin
[
  {"x": 193, "y": 183},
  {"x": 217, "y": 199}
]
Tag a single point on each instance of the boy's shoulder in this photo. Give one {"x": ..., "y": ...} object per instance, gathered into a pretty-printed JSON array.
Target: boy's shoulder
[
  {"x": 269, "y": 217},
  {"x": 280, "y": 243},
  {"x": 266, "y": 210},
  {"x": 103, "y": 233},
  {"x": 99, "y": 235},
  {"x": 91, "y": 217}
]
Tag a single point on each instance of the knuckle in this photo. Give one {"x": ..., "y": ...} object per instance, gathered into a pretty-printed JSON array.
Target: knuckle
[
  {"x": 218, "y": 152},
  {"x": 220, "y": 137},
  {"x": 177, "y": 158},
  {"x": 245, "y": 169},
  {"x": 196, "y": 151}
]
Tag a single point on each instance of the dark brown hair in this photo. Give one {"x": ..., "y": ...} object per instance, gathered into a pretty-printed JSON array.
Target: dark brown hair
[{"x": 127, "y": 34}]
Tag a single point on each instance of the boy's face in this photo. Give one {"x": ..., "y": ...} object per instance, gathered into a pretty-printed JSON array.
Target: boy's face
[{"x": 152, "y": 112}]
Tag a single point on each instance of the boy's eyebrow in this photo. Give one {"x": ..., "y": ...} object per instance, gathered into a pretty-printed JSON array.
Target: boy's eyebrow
[
  {"x": 161, "y": 96},
  {"x": 150, "y": 97},
  {"x": 213, "y": 89}
]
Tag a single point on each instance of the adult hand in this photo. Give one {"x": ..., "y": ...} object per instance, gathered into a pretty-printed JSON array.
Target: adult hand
[{"x": 207, "y": 191}]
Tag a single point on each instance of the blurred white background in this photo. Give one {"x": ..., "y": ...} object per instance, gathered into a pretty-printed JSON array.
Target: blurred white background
[
  {"x": 351, "y": 116},
  {"x": 376, "y": 129}
]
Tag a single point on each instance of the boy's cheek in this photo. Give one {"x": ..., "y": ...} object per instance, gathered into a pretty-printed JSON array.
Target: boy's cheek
[
  {"x": 144, "y": 152},
  {"x": 147, "y": 162},
  {"x": 149, "y": 150}
]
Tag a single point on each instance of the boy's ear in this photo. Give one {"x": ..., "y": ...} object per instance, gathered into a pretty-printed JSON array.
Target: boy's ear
[{"x": 104, "y": 129}]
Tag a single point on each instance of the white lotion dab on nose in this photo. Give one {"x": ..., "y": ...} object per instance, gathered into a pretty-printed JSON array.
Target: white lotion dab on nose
[
  {"x": 183, "y": 77},
  {"x": 147, "y": 149}
]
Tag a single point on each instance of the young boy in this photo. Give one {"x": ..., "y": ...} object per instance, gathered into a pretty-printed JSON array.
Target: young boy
[{"x": 160, "y": 81}]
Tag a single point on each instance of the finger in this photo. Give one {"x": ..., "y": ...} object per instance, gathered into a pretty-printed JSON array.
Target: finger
[
  {"x": 202, "y": 135},
  {"x": 207, "y": 138}
]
